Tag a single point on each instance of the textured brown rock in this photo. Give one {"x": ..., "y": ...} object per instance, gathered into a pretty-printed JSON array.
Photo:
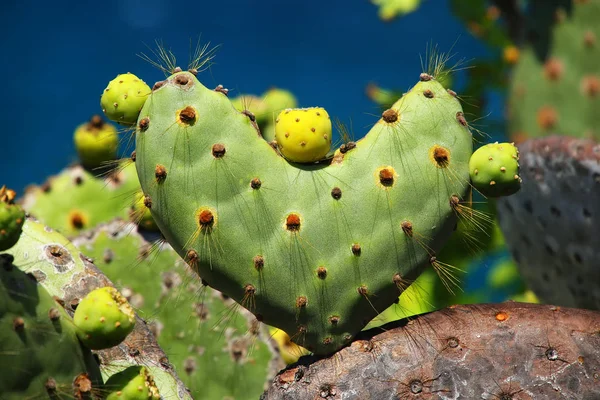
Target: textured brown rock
[{"x": 502, "y": 351}]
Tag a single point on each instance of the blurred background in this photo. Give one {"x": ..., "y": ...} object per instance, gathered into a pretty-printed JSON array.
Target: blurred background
[{"x": 60, "y": 55}]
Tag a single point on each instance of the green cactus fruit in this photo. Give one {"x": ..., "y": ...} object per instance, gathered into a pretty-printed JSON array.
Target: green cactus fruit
[
  {"x": 97, "y": 143},
  {"x": 39, "y": 351},
  {"x": 252, "y": 105},
  {"x": 494, "y": 169},
  {"x": 133, "y": 383},
  {"x": 140, "y": 213},
  {"x": 210, "y": 340},
  {"x": 315, "y": 250},
  {"x": 123, "y": 98},
  {"x": 103, "y": 318},
  {"x": 12, "y": 218},
  {"x": 76, "y": 200},
  {"x": 303, "y": 134},
  {"x": 68, "y": 276},
  {"x": 559, "y": 92},
  {"x": 277, "y": 100}
]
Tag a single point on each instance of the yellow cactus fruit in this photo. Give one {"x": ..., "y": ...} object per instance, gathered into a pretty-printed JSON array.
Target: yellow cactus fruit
[{"x": 303, "y": 134}]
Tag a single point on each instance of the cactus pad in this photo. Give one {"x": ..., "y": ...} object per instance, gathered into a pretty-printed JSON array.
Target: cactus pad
[
  {"x": 484, "y": 351},
  {"x": 123, "y": 98},
  {"x": 96, "y": 142},
  {"x": 319, "y": 250},
  {"x": 303, "y": 135},
  {"x": 494, "y": 169},
  {"x": 551, "y": 225},
  {"x": 210, "y": 340},
  {"x": 560, "y": 93},
  {"x": 39, "y": 351},
  {"x": 68, "y": 276},
  {"x": 103, "y": 318},
  {"x": 76, "y": 200},
  {"x": 133, "y": 383},
  {"x": 12, "y": 218}
]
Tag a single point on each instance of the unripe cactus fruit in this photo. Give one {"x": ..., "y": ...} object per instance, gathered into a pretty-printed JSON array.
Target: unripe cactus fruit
[
  {"x": 140, "y": 212},
  {"x": 303, "y": 134},
  {"x": 276, "y": 100},
  {"x": 494, "y": 169},
  {"x": 123, "y": 98},
  {"x": 133, "y": 383},
  {"x": 96, "y": 142},
  {"x": 12, "y": 218},
  {"x": 103, "y": 318}
]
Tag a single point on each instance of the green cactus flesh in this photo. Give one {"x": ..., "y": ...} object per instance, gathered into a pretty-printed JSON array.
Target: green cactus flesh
[
  {"x": 133, "y": 383},
  {"x": 68, "y": 276},
  {"x": 39, "y": 350},
  {"x": 494, "y": 169},
  {"x": 123, "y": 98},
  {"x": 211, "y": 342},
  {"x": 12, "y": 218},
  {"x": 103, "y": 318},
  {"x": 96, "y": 142},
  {"x": 561, "y": 93},
  {"x": 314, "y": 250},
  {"x": 76, "y": 200}
]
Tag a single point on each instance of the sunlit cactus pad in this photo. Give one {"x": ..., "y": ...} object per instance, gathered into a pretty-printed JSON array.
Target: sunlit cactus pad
[{"x": 314, "y": 249}]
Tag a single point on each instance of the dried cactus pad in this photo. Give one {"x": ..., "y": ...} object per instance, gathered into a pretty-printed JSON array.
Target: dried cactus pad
[
  {"x": 316, "y": 250},
  {"x": 551, "y": 226},
  {"x": 502, "y": 351}
]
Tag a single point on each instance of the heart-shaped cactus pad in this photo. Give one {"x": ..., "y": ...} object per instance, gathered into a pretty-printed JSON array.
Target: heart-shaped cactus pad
[{"x": 314, "y": 249}]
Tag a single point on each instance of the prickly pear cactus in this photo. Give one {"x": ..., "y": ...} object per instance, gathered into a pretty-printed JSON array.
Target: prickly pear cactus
[
  {"x": 12, "y": 218},
  {"x": 40, "y": 354},
  {"x": 76, "y": 200},
  {"x": 211, "y": 341},
  {"x": 68, "y": 276},
  {"x": 551, "y": 226},
  {"x": 315, "y": 250},
  {"x": 560, "y": 93},
  {"x": 486, "y": 351}
]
